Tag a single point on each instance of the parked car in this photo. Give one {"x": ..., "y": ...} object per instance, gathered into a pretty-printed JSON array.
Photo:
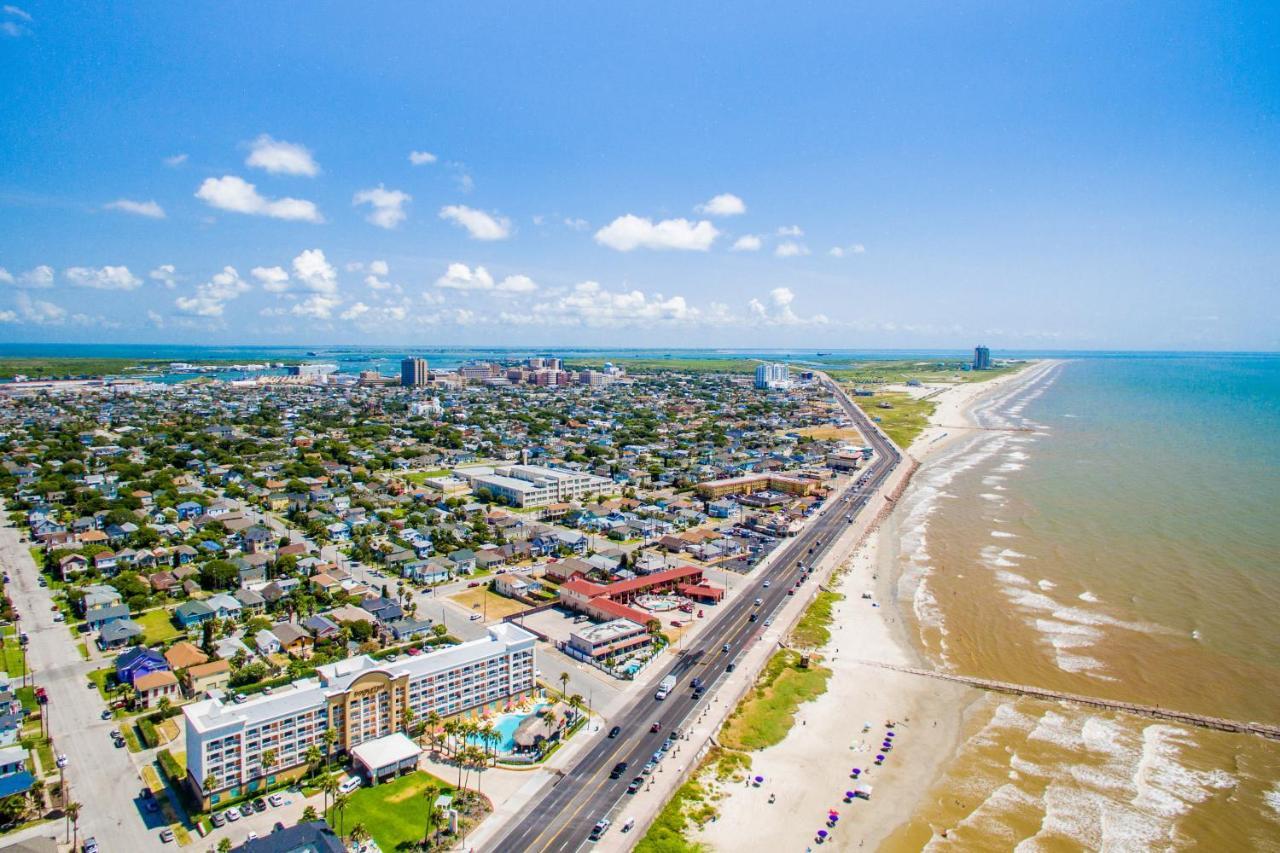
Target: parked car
[
  {"x": 259, "y": 805},
  {"x": 232, "y": 815},
  {"x": 636, "y": 784},
  {"x": 217, "y": 819},
  {"x": 90, "y": 845},
  {"x": 601, "y": 827},
  {"x": 276, "y": 799},
  {"x": 246, "y": 810}
]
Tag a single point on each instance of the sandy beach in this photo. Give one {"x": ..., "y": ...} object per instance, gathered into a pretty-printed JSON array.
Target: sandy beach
[{"x": 810, "y": 771}]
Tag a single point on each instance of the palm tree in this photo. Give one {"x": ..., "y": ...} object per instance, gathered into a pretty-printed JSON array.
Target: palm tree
[
  {"x": 210, "y": 782},
  {"x": 309, "y": 814},
  {"x": 267, "y": 761},
  {"x": 330, "y": 788},
  {"x": 407, "y": 716},
  {"x": 429, "y": 793},
  {"x": 340, "y": 806},
  {"x": 330, "y": 740},
  {"x": 164, "y": 706},
  {"x": 451, "y": 727},
  {"x": 359, "y": 833},
  {"x": 576, "y": 702},
  {"x": 489, "y": 738},
  {"x": 224, "y": 846},
  {"x": 564, "y": 683},
  {"x": 433, "y": 726},
  {"x": 313, "y": 757},
  {"x": 481, "y": 764},
  {"x": 72, "y": 811}
]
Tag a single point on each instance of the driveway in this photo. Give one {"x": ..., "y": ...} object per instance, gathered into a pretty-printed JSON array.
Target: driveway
[{"x": 103, "y": 779}]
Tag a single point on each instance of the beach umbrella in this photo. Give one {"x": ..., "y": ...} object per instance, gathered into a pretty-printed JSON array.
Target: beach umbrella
[
  {"x": 889, "y": 734},
  {"x": 879, "y": 758},
  {"x": 856, "y": 771},
  {"x": 759, "y": 779},
  {"x": 848, "y": 796},
  {"x": 822, "y": 833}
]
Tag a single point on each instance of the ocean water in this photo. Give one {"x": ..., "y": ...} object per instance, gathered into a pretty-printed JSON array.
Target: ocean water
[{"x": 1114, "y": 531}]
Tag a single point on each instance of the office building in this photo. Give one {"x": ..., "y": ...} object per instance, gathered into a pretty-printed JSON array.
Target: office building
[
  {"x": 413, "y": 372},
  {"x": 360, "y": 698},
  {"x": 981, "y": 358},
  {"x": 772, "y": 376}
]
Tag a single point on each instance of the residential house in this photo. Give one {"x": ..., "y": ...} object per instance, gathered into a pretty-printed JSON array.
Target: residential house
[
  {"x": 99, "y": 616},
  {"x": 294, "y": 640},
  {"x": 15, "y": 778},
  {"x": 224, "y": 606},
  {"x": 207, "y": 677},
  {"x": 183, "y": 655},
  {"x": 322, "y": 627},
  {"x": 408, "y": 628},
  {"x": 72, "y": 564},
  {"x": 191, "y": 613},
  {"x": 267, "y": 643},
  {"x": 383, "y": 609},
  {"x": 99, "y": 595},
  {"x": 464, "y": 561},
  {"x": 138, "y": 662},
  {"x": 154, "y": 686},
  {"x": 250, "y": 601},
  {"x": 119, "y": 634}
]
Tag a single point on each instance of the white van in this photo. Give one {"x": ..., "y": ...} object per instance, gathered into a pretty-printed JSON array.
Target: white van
[{"x": 349, "y": 784}]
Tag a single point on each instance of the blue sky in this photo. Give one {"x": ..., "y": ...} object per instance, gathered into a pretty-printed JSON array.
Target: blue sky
[{"x": 1098, "y": 175}]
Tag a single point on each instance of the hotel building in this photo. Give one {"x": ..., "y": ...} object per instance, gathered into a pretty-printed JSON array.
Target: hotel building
[
  {"x": 360, "y": 698},
  {"x": 534, "y": 485}
]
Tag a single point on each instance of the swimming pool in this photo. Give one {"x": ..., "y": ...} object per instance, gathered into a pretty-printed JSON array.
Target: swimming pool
[{"x": 506, "y": 726}]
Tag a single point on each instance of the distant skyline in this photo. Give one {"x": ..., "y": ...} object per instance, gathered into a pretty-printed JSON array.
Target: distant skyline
[{"x": 762, "y": 175}]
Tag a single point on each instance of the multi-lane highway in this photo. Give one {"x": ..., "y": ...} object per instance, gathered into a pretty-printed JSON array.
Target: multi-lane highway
[{"x": 561, "y": 816}]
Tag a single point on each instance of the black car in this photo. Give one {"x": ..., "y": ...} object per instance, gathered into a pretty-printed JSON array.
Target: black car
[
  {"x": 636, "y": 784},
  {"x": 696, "y": 683},
  {"x": 259, "y": 805},
  {"x": 731, "y": 667},
  {"x": 754, "y": 616},
  {"x": 618, "y": 770},
  {"x": 697, "y": 694},
  {"x": 615, "y": 731}
]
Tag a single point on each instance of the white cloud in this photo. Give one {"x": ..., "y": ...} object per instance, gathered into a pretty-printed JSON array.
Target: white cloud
[
  {"x": 790, "y": 231},
  {"x": 281, "y": 158},
  {"x": 319, "y": 307},
  {"x": 37, "y": 277},
  {"x": 39, "y": 312},
  {"x": 841, "y": 251},
  {"x": 154, "y": 318},
  {"x": 13, "y": 28},
  {"x": 421, "y": 158},
  {"x": 790, "y": 249},
  {"x": 239, "y": 196},
  {"x": 210, "y": 297},
  {"x": 141, "y": 208},
  {"x": 175, "y": 161},
  {"x": 104, "y": 278},
  {"x": 18, "y": 13},
  {"x": 379, "y": 268},
  {"x": 630, "y": 232},
  {"x": 272, "y": 279},
  {"x": 589, "y": 304},
  {"x": 779, "y": 311},
  {"x": 515, "y": 284},
  {"x": 8, "y": 317},
  {"x": 577, "y": 224},
  {"x": 479, "y": 224},
  {"x": 166, "y": 274},
  {"x": 725, "y": 204},
  {"x": 387, "y": 205},
  {"x": 462, "y": 277},
  {"x": 315, "y": 273},
  {"x": 355, "y": 311},
  {"x": 747, "y": 243}
]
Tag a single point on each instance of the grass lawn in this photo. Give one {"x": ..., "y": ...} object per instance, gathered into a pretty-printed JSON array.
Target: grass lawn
[
  {"x": 811, "y": 631},
  {"x": 767, "y": 713},
  {"x": 498, "y": 606},
  {"x": 157, "y": 627},
  {"x": 13, "y": 657},
  {"x": 904, "y": 421},
  {"x": 897, "y": 372},
  {"x": 419, "y": 476},
  {"x": 828, "y": 433},
  {"x": 394, "y": 813},
  {"x": 691, "y": 804}
]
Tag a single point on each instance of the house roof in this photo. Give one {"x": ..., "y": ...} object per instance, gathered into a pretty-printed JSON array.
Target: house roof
[
  {"x": 154, "y": 680},
  {"x": 205, "y": 670},
  {"x": 182, "y": 655}
]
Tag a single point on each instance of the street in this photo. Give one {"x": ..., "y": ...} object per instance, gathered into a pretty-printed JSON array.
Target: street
[
  {"x": 103, "y": 779},
  {"x": 561, "y": 815}
]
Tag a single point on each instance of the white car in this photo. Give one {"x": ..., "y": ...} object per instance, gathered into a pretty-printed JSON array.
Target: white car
[{"x": 232, "y": 815}]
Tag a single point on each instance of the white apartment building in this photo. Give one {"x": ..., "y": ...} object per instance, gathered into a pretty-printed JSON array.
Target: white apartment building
[
  {"x": 362, "y": 699},
  {"x": 535, "y": 485}
]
